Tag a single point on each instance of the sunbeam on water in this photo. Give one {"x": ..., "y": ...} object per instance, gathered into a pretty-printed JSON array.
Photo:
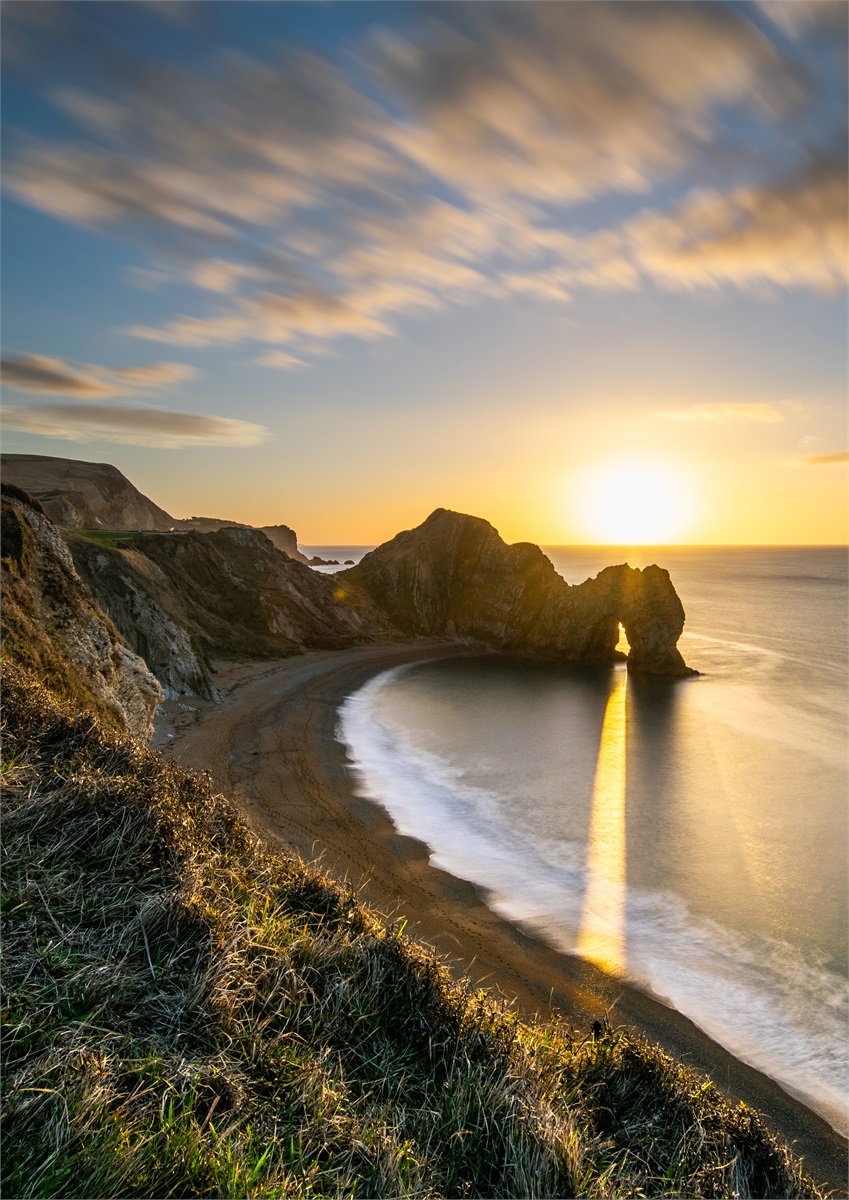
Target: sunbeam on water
[{"x": 601, "y": 936}]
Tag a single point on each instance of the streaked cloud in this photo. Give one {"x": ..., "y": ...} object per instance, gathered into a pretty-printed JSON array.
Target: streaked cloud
[
  {"x": 792, "y": 233},
  {"x": 219, "y": 275},
  {"x": 826, "y": 460},
  {"x": 564, "y": 101},
  {"x": 721, "y": 414},
  {"x": 54, "y": 376},
  {"x": 224, "y": 329},
  {"x": 321, "y": 199},
  {"x": 279, "y": 359},
  {"x": 132, "y": 426}
]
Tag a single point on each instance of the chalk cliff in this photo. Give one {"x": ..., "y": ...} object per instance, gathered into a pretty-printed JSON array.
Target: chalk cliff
[
  {"x": 52, "y": 625},
  {"x": 453, "y": 576}
]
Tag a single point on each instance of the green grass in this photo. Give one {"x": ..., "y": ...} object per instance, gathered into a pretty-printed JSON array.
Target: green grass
[
  {"x": 112, "y": 538},
  {"x": 188, "y": 1015}
]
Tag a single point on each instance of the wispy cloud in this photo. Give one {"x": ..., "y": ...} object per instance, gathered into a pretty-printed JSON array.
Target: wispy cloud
[
  {"x": 55, "y": 376},
  {"x": 826, "y": 460},
  {"x": 132, "y": 426},
  {"x": 720, "y": 414},
  {"x": 279, "y": 359}
]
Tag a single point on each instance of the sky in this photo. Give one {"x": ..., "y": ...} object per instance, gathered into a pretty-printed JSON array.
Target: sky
[{"x": 578, "y": 268}]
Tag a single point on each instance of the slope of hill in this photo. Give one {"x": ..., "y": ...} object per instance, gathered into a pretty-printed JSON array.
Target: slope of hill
[
  {"x": 83, "y": 495},
  {"x": 188, "y": 1015}
]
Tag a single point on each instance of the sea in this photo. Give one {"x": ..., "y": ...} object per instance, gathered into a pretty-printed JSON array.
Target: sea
[{"x": 690, "y": 834}]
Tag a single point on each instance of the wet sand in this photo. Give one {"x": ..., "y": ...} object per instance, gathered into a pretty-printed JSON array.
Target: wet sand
[{"x": 271, "y": 747}]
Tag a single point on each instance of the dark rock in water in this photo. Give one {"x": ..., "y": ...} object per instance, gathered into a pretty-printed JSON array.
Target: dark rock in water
[
  {"x": 349, "y": 562},
  {"x": 315, "y": 561},
  {"x": 84, "y": 495},
  {"x": 453, "y": 576}
]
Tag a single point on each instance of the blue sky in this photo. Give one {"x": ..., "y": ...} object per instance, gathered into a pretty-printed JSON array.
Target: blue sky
[{"x": 337, "y": 264}]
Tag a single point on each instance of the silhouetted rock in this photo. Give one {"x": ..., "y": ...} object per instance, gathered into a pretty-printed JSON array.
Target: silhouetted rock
[
  {"x": 454, "y": 576},
  {"x": 284, "y": 539},
  {"x": 349, "y": 562}
]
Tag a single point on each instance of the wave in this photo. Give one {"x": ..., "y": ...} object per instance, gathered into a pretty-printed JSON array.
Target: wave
[{"x": 771, "y": 1004}]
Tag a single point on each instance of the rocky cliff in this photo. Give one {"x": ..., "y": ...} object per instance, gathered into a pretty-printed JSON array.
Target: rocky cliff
[
  {"x": 284, "y": 539},
  {"x": 453, "y": 576},
  {"x": 86, "y": 495},
  {"x": 83, "y": 495},
  {"x": 180, "y": 599},
  {"x": 52, "y": 625}
]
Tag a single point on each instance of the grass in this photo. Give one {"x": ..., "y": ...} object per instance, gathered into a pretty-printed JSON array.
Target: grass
[
  {"x": 186, "y": 1015},
  {"x": 112, "y": 538}
]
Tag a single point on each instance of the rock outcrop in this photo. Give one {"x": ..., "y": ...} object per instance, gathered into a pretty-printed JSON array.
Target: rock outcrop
[
  {"x": 453, "y": 576},
  {"x": 284, "y": 539},
  {"x": 52, "y": 625},
  {"x": 181, "y": 599},
  {"x": 139, "y": 598},
  {"x": 83, "y": 495}
]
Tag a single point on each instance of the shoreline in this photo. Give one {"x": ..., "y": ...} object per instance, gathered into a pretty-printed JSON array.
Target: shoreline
[{"x": 271, "y": 747}]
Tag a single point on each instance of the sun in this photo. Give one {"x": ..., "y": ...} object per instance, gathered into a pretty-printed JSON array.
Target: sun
[{"x": 634, "y": 504}]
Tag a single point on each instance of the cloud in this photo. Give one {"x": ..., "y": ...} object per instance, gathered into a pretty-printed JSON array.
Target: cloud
[
  {"x": 223, "y": 329},
  {"x": 54, "y": 376},
  {"x": 278, "y": 358},
  {"x": 563, "y": 101},
  {"x": 38, "y": 373},
  {"x": 218, "y": 275},
  {"x": 789, "y": 233},
  {"x": 720, "y": 414},
  {"x": 132, "y": 426},
  {"x": 330, "y": 198},
  {"x": 825, "y": 460}
]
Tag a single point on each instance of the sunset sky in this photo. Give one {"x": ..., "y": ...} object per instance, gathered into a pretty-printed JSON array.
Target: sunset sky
[{"x": 337, "y": 264}]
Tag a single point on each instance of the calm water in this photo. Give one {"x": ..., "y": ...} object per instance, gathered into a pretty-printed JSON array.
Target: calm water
[{"x": 691, "y": 834}]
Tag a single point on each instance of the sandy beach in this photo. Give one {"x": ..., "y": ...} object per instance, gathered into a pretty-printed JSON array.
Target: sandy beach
[{"x": 270, "y": 746}]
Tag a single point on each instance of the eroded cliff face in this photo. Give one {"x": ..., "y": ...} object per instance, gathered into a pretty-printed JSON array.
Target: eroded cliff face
[
  {"x": 181, "y": 599},
  {"x": 453, "y": 576},
  {"x": 149, "y": 612},
  {"x": 52, "y": 625}
]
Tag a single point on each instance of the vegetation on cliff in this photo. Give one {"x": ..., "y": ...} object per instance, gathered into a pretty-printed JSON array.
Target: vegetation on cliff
[{"x": 188, "y": 1015}]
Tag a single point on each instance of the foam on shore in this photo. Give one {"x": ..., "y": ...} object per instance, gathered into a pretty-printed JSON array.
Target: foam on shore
[{"x": 771, "y": 1005}]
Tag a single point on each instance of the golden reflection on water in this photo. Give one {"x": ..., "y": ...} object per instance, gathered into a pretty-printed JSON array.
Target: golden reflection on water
[{"x": 601, "y": 936}]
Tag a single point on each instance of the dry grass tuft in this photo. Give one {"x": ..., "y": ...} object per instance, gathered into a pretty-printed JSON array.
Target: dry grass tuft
[{"x": 186, "y": 1015}]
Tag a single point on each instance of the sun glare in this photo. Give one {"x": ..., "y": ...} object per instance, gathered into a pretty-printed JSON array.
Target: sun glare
[{"x": 635, "y": 504}]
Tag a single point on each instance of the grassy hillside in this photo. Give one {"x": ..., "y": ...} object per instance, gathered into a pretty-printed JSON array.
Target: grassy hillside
[{"x": 186, "y": 1015}]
